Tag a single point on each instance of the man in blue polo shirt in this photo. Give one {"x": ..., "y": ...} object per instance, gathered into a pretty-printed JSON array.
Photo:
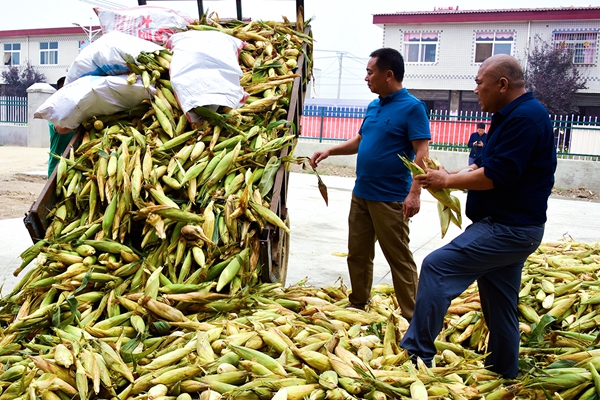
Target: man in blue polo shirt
[
  {"x": 507, "y": 202},
  {"x": 384, "y": 196}
]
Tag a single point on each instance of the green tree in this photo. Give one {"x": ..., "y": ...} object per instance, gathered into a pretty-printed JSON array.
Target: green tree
[
  {"x": 553, "y": 78},
  {"x": 17, "y": 80}
]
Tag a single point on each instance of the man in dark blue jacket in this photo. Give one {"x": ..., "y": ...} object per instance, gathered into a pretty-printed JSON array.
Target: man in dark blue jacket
[
  {"x": 507, "y": 202},
  {"x": 477, "y": 140}
]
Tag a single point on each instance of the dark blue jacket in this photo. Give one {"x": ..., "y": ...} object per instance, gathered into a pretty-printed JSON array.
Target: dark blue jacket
[
  {"x": 476, "y": 151},
  {"x": 520, "y": 159}
]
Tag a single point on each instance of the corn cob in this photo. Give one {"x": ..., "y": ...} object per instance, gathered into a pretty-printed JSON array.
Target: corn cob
[{"x": 450, "y": 209}]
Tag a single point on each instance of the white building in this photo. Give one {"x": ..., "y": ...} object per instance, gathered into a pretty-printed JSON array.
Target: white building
[
  {"x": 51, "y": 51},
  {"x": 444, "y": 48}
]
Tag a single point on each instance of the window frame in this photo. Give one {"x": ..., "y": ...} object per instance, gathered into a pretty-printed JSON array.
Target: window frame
[
  {"x": 494, "y": 43},
  {"x": 49, "y": 54},
  {"x": 421, "y": 46},
  {"x": 12, "y": 51},
  {"x": 83, "y": 44},
  {"x": 575, "y": 38}
]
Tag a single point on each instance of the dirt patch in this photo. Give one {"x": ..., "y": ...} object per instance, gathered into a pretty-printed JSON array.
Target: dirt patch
[
  {"x": 580, "y": 193},
  {"x": 326, "y": 170},
  {"x": 18, "y": 192}
]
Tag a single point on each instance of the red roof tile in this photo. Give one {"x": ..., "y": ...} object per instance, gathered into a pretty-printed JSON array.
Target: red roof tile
[
  {"x": 454, "y": 15},
  {"x": 74, "y": 30}
]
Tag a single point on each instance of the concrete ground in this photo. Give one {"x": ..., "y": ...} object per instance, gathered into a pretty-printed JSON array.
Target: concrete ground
[{"x": 319, "y": 232}]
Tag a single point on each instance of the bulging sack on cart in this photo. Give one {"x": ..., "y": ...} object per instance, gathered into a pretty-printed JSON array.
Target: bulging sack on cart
[
  {"x": 205, "y": 70},
  {"x": 106, "y": 56},
  {"x": 92, "y": 96},
  {"x": 155, "y": 24}
]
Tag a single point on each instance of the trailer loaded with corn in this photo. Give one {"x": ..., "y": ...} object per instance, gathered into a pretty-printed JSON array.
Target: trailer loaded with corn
[
  {"x": 159, "y": 256},
  {"x": 228, "y": 170}
]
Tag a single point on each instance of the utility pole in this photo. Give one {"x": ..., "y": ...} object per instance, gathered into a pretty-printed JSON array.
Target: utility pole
[
  {"x": 90, "y": 32},
  {"x": 341, "y": 60}
]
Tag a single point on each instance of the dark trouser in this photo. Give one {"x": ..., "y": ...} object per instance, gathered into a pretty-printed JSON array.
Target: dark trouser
[
  {"x": 492, "y": 254},
  {"x": 371, "y": 221}
]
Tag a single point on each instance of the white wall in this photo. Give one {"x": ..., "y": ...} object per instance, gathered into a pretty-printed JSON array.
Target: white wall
[
  {"x": 13, "y": 135},
  {"x": 455, "y": 68},
  {"x": 68, "y": 49}
]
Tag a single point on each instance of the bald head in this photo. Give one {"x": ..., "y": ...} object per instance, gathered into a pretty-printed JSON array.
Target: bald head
[
  {"x": 503, "y": 65},
  {"x": 499, "y": 81}
]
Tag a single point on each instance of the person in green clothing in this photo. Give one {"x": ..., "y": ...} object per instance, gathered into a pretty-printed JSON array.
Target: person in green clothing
[{"x": 59, "y": 137}]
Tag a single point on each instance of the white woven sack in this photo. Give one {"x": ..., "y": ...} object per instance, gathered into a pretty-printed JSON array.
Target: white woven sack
[{"x": 92, "y": 96}]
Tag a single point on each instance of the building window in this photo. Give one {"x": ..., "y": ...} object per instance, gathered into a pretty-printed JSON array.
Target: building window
[
  {"x": 83, "y": 44},
  {"x": 420, "y": 47},
  {"x": 488, "y": 44},
  {"x": 12, "y": 53},
  {"x": 581, "y": 45},
  {"x": 48, "y": 53}
]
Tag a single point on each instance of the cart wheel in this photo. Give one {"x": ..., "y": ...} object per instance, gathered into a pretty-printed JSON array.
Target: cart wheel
[{"x": 280, "y": 263}]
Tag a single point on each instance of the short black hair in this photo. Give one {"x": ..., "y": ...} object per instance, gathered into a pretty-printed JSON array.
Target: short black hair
[
  {"x": 60, "y": 82},
  {"x": 481, "y": 125},
  {"x": 390, "y": 59}
]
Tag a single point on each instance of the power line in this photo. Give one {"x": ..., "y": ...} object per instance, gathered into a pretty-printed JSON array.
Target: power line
[
  {"x": 324, "y": 58},
  {"x": 324, "y": 71},
  {"x": 335, "y": 74},
  {"x": 352, "y": 73},
  {"x": 357, "y": 58},
  {"x": 327, "y": 51}
]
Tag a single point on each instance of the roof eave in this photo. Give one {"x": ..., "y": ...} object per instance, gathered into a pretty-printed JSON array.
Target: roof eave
[
  {"x": 75, "y": 30},
  {"x": 487, "y": 16}
]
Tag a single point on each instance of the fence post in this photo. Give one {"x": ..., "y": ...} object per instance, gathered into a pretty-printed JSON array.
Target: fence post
[
  {"x": 37, "y": 129},
  {"x": 322, "y": 115}
]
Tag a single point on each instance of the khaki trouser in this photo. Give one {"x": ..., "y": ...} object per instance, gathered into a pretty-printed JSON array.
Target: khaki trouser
[{"x": 371, "y": 221}]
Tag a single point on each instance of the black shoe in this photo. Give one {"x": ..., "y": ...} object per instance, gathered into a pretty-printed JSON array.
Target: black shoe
[{"x": 351, "y": 306}]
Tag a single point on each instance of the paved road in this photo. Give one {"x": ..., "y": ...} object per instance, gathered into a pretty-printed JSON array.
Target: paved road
[{"x": 318, "y": 231}]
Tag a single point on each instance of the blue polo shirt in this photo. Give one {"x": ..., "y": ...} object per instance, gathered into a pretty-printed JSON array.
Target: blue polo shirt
[
  {"x": 520, "y": 158},
  {"x": 390, "y": 125}
]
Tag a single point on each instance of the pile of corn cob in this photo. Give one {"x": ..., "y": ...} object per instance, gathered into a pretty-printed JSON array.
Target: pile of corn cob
[{"x": 270, "y": 342}]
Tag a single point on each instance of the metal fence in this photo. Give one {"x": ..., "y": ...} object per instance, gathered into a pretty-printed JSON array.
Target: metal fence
[
  {"x": 13, "y": 110},
  {"x": 575, "y": 137}
]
